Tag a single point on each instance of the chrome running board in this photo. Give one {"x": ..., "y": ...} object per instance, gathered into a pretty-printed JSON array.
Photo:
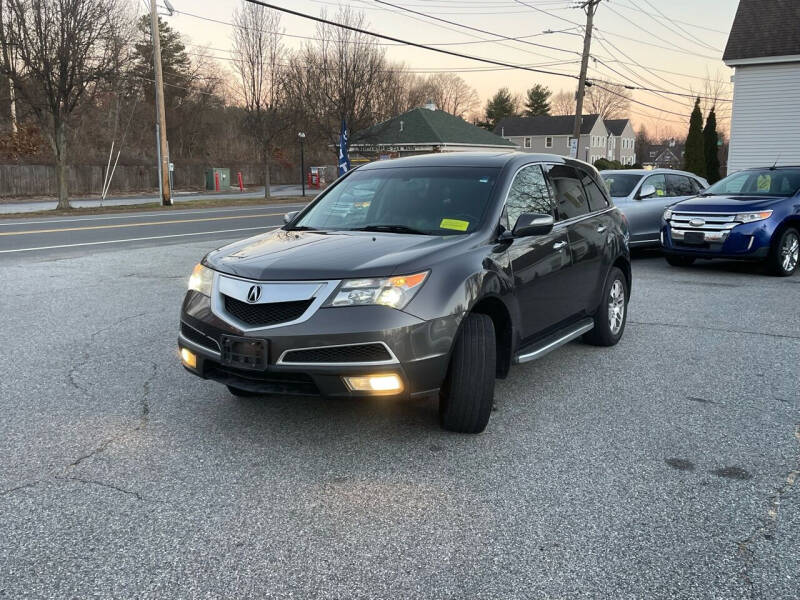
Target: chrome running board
[{"x": 550, "y": 343}]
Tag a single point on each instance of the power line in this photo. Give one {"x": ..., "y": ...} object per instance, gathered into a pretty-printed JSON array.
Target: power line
[
  {"x": 549, "y": 14},
  {"x": 636, "y": 8},
  {"x": 680, "y": 51}
]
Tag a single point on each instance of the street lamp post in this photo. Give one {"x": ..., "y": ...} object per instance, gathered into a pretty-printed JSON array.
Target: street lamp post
[{"x": 302, "y": 137}]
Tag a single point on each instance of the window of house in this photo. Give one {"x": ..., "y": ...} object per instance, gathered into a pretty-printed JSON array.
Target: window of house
[
  {"x": 570, "y": 198},
  {"x": 652, "y": 154},
  {"x": 548, "y": 142},
  {"x": 527, "y": 142},
  {"x": 528, "y": 194}
]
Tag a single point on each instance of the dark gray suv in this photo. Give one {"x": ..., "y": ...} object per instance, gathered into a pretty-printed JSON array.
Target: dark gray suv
[{"x": 413, "y": 277}]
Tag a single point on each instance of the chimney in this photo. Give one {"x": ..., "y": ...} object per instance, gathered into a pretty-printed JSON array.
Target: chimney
[{"x": 430, "y": 105}]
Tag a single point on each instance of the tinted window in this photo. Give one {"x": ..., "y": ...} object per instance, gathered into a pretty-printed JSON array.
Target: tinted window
[
  {"x": 679, "y": 185},
  {"x": 528, "y": 194},
  {"x": 597, "y": 200},
  {"x": 696, "y": 185},
  {"x": 437, "y": 201},
  {"x": 620, "y": 185},
  {"x": 659, "y": 182},
  {"x": 765, "y": 182},
  {"x": 570, "y": 199}
]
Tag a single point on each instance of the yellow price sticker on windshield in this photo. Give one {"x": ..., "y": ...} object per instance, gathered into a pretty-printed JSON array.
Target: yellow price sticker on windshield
[{"x": 456, "y": 224}]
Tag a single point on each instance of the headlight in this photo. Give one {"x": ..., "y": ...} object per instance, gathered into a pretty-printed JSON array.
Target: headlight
[
  {"x": 753, "y": 216},
  {"x": 668, "y": 214},
  {"x": 396, "y": 292},
  {"x": 201, "y": 280}
]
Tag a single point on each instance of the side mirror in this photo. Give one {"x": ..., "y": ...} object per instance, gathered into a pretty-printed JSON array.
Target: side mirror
[
  {"x": 533, "y": 224},
  {"x": 647, "y": 191},
  {"x": 289, "y": 217}
]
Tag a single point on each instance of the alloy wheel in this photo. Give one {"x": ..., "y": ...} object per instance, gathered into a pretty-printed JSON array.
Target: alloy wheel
[
  {"x": 616, "y": 307},
  {"x": 790, "y": 252}
]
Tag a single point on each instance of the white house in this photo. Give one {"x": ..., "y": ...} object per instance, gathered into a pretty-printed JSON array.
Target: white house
[
  {"x": 552, "y": 134},
  {"x": 621, "y": 141},
  {"x": 764, "y": 48}
]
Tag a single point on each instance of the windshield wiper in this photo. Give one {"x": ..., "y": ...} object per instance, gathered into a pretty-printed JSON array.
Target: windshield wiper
[
  {"x": 391, "y": 229},
  {"x": 705, "y": 195},
  {"x": 303, "y": 228}
]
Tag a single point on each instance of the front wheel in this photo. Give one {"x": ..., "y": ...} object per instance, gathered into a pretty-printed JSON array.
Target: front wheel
[
  {"x": 679, "y": 261},
  {"x": 610, "y": 318},
  {"x": 785, "y": 253},
  {"x": 466, "y": 398}
]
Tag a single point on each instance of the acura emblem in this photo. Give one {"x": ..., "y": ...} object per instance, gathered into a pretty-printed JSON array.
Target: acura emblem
[
  {"x": 254, "y": 294},
  {"x": 697, "y": 222}
]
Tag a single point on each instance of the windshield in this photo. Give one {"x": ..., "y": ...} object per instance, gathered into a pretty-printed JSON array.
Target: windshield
[
  {"x": 426, "y": 200},
  {"x": 761, "y": 182},
  {"x": 620, "y": 185}
]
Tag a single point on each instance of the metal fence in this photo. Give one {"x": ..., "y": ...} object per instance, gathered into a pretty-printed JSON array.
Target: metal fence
[{"x": 40, "y": 180}]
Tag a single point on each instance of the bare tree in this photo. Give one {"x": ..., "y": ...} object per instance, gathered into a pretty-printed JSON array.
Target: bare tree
[
  {"x": 258, "y": 51},
  {"x": 562, "y": 104},
  {"x": 62, "y": 51},
  {"x": 608, "y": 100},
  {"x": 452, "y": 94}
]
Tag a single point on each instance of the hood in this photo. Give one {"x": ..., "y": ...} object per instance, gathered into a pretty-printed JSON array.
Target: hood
[
  {"x": 728, "y": 204},
  {"x": 303, "y": 255}
]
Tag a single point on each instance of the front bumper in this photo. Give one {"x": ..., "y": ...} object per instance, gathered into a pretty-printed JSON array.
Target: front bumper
[
  {"x": 418, "y": 351},
  {"x": 749, "y": 241}
]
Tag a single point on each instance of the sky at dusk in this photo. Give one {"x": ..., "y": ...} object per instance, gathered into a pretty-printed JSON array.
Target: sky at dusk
[{"x": 674, "y": 46}]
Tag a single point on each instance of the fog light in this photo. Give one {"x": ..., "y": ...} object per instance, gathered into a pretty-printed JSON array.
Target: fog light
[
  {"x": 375, "y": 383},
  {"x": 188, "y": 358}
]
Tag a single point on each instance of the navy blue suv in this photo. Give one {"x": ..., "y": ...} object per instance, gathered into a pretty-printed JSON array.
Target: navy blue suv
[{"x": 751, "y": 215}]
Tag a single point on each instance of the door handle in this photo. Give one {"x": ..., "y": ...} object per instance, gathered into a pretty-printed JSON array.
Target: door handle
[
  {"x": 601, "y": 228},
  {"x": 559, "y": 245}
]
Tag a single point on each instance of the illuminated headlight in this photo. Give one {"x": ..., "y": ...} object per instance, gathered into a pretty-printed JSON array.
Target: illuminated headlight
[
  {"x": 753, "y": 216},
  {"x": 201, "y": 280},
  {"x": 396, "y": 292},
  {"x": 376, "y": 384},
  {"x": 668, "y": 214}
]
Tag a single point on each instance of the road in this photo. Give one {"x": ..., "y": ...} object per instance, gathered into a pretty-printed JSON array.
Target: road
[
  {"x": 665, "y": 467},
  {"x": 79, "y": 235},
  {"x": 179, "y": 198}
]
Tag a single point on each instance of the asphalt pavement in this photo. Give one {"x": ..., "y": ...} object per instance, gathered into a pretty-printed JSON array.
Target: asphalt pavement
[{"x": 665, "y": 467}]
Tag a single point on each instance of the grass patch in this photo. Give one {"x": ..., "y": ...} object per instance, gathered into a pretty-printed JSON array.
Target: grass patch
[{"x": 155, "y": 206}]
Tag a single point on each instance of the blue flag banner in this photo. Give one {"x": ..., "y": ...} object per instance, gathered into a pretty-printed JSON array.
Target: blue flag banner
[{"x": 344, "y": 159}]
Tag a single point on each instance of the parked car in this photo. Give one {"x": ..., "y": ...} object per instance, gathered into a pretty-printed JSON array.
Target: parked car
[
  {"x": 751, "y": 215},
  {"x": 643, "y": 195},
  {"x": 454, "y": 268}
]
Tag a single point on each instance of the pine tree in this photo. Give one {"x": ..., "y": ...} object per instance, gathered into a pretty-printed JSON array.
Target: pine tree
[
  {"x": 537, "y": 101},
  {"x": 694, "y": 157},
  {"x": 500, "y": 106},
  {"x": 710, "y": 144}
]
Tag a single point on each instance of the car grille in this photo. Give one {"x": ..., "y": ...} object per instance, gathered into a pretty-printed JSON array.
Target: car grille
[
  {"x": 263, "y": 381},
  {"x": 355, "y": 353},
  {"x": 715, "y": 226},
  {"x": 192, "y": 334},
  {"x": 266, "y": 314}
]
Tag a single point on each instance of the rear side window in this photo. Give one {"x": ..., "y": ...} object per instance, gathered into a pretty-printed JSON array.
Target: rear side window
[
  {"x": 597, "y": 200},
  {"x": 528, "y": 194},
  {"x": 570, "y": 198},
  {"x": 679, "y": 185}
]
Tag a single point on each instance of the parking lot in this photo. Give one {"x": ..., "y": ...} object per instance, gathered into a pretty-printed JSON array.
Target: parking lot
[{"x": 663, "y": 467}]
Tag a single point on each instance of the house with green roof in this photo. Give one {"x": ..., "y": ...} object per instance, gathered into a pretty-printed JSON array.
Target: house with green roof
[{"x": 422, "y": 131}]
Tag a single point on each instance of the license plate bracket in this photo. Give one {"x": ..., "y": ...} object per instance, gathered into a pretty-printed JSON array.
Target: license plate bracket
[
  {"x": 244, "y": 352},
  {"x": 694, "y": 237}
]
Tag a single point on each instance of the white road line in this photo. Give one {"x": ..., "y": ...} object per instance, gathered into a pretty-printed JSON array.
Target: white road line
[
  {"x": 149, "y": 214},
  {"x": 139, "y": 239}
]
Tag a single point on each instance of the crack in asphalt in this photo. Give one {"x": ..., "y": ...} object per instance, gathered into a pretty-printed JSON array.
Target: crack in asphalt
[
  {"x": 769, "y": 523},
  {"x": 721, "y": 329},
  {"x": 104, "y": 484},
  {"x": 22, "y": 486}
]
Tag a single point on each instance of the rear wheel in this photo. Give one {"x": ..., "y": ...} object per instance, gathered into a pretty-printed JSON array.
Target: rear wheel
[
  {"x": 610, "y": 318},
  {"x": 679, "y": 261},
  {"x": 466, "y": 398},
  {"x": 785, "y": 253},
  {"x": 240, "y": 393}
]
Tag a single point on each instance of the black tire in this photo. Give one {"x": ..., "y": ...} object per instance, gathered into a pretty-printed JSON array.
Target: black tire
[
  {"x": 604, "y": 334},
  {"x": 679, "y": 261},
  {"x": 467, "y": 396},
  {"x": 240, "y": 393},
  {"x": 777, "y": 263}
]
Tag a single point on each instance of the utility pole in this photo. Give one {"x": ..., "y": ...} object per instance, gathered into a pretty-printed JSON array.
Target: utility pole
[
  {"x": 161, "y": 118},
  {"x": 590, "y": 6}
]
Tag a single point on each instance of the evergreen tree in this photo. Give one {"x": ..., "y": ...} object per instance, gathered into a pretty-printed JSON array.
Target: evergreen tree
[
  {"x": 695, "y": 158},
  {"x": 501, "y": 105},
  {"x": 175, "y": 64},
  {"x": 710, "y": 140},
  {"x": 537, "y": 101}
]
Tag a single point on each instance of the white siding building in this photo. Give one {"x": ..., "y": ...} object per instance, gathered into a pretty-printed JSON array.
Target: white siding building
[{"x": 764, "y": 48}]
